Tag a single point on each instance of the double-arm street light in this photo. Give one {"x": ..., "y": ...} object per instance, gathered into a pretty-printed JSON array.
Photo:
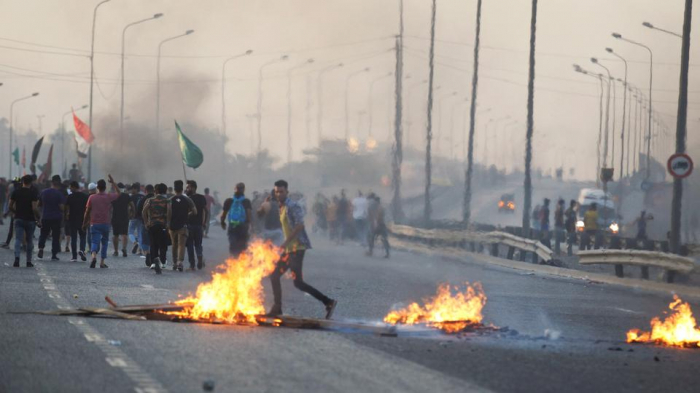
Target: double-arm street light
[
  {"x": 260, "y": 98},
  {"x": 624, "y": 111},
  {"x": 160, "y": 46},
  {"x": 319, "y": 87},
  {"x": 223, "y": 88},
  {"x": 347, "y": 88},
  {"x": 289, "y": 106},
  {"x": 121, "y": 110},
  {"x": 607, "y": 113},
  {"x": 63, "y": 134},
  {"x": 651, "y": 79},
  {"x": 12, "y": 106}
]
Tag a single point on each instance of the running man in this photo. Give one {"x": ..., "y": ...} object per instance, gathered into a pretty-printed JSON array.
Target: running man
[{"x": 295, "y": 244}]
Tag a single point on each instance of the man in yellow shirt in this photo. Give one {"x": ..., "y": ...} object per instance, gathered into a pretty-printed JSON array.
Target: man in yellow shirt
[
  {"x": 590, "y": 225},
  {"x": 295, "y": 244}
]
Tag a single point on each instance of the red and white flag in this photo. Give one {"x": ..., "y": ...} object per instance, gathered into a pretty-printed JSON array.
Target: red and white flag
[{"x": 83, "y": 129}]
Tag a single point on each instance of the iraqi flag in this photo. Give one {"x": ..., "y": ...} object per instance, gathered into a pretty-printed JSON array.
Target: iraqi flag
[
  {"x": 81, "y": 147},
  {"x": 83, "y": 129}
]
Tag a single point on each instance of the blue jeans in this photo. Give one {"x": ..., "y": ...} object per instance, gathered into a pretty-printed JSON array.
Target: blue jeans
[
  {"x": 132, "y": 229},
  {"x": 100, "y": 237},
  {"x": 24, "y": 229},
  {"x": 144, "y": 240}
]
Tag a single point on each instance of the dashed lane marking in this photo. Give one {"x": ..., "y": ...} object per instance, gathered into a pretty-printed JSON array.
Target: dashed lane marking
[{"x": 114, "y": 356}]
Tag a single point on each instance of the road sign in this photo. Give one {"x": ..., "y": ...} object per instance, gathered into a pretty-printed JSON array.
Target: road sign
[{"x": 680, "y": 165}]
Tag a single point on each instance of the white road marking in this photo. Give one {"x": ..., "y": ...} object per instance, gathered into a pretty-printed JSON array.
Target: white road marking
[{"x": 627, "y": 311}]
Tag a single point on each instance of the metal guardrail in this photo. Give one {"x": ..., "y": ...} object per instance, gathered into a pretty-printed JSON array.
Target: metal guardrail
[
  {"x": 521, "y": 243},
  {"x": 670, "y": 262}
]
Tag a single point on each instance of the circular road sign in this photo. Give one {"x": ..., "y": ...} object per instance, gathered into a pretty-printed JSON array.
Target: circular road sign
[{"x": 680, "y": 165}]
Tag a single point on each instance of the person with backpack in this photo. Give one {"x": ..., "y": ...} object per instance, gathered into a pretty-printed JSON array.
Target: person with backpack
[
  {"x": 155, "y": 216},
  {"x": 237, "y": 215},
  {"x": 180, "y": 209}
]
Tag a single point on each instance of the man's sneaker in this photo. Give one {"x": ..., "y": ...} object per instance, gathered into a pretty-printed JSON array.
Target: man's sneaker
[
  {"x": 40, "y": 254},
  {"x": 135, "y": 248},
  {"x": 5, "y": 246},
  {"x": 163, "y": 263},
  {"x": 275, "y": 311},
  {"x": 93, "y": 263},
  {"x": 330, "y": 307},
  {"x": 179, "y": 268},
  {"x": 156, "y": 265},
  {"x": 124, "y": 254},
  {"x": 30, "y": 264},
  {"x": 82, "y": 256},
  {"x": 55, "y": 258},
  {"x": 16, "y": 264},
  {"x": 115, "y": 253},
  {"x": 74, "y": 259},
  {"x": 103, "y": 265}
]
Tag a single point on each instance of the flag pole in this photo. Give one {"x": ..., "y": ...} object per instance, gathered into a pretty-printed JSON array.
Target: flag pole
[
  {"x": 183, "y": 170},
  {"x": 182, "y": 154}
]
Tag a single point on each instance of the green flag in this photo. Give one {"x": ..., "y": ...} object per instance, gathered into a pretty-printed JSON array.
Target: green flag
[
  {"x": 15, "y": 154},
  {"x": 192, "y": 155}
]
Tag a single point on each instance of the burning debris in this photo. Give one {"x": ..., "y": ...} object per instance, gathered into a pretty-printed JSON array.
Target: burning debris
[
  {"x": 234, "y": 295},
  {"x": 452, "y": 314},
  {"x": 679, "y": 329}
]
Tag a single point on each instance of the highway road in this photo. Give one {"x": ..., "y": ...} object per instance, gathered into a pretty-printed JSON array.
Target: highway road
[{"x": 570, "y": 333}]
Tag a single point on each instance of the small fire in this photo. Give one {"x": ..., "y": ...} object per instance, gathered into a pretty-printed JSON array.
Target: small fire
[
  {"x": 234, "y": 295},
  {"x": 444, "y": 311},
  {"x": 678, "y": 329}
]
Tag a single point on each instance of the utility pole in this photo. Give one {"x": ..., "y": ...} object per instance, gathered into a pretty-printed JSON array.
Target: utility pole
[
  {"x": 427, "y": 210},
  {"x": 466, "y": 208},
  {"x": 397, "y": 149},
  {"x": 681, "y": 122},
  {"x": 527, "y": 205}
]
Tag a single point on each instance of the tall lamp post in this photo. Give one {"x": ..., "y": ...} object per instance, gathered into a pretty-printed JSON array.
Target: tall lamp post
[
  {"x": 289, "y": 106},
  {"x": 580, "y": 70},
  {"x": 607, "y": 112},
  {"x": 347, "y": 89},
  {"x": 92, "y": 80},
  {"x": 223, "y": 88},
  {"x": 319, "y": 92},
  {"x": 12, "y": 106},
  {"x": 624, "y": 112},
  {"x": 121, "y": 109},
  {"x": 651, "y": 79},
  {"x": 260, "y": 100},
  {"x": 649, "y": 25},
  {"x": 160, "y": 46},
  {"x": 63, "y": 135}
]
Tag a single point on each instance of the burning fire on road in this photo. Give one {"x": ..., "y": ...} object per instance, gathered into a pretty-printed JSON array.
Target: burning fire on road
[
  {"x": 445, "y": 311},
  {"x": 679, "y": 329},
  {"x": 234, "y": 295}
]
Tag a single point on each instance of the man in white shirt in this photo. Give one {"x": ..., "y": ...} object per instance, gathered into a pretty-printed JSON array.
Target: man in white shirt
[{"x": 359, "y": 215}]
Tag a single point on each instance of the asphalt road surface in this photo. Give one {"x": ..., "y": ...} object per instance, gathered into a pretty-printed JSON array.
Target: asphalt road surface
[{"x": 582, "y": 351}]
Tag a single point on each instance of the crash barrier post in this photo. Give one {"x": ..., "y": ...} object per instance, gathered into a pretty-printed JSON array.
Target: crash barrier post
[{"x": 671, "y": 263}]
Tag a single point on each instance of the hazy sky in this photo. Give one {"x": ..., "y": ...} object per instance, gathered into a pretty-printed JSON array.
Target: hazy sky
[{"x": 44, "y": 46}]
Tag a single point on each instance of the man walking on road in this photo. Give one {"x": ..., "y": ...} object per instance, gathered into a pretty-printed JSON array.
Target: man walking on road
[
  {"x": 377, "y": 225},
  {"x": 180, "y": 209},
  {"x": 195, "y": 225},
  {"x": 590, "y": 227},
  {"x": 135, "y": 224},
  {"x": 122, "y": 212},
  {"x": 75, "y": 212},
  {"x": 558, "y": 226},
  {"x": 269, "y": 211},
  {"x": 237, "y": 213},
  {"x": 24, "y": 203},
  {"x": 359, "y": 215},
  {"x": 52, "y": 202},
  {"x": 97, "y": 215},
  {"x": 144, "y": 238},
  {"x": 295, "y": 244},
  {"x": 155, "y": 215},
  {"x": 570, "y": 224}
]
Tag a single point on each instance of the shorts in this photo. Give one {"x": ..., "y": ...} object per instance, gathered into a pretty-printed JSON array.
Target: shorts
[{"x": 120, "y": 228}]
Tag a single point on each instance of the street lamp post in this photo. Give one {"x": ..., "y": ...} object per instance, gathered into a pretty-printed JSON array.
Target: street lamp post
[
  {"x": 649, "y": 25},
  {"x": 651, "y": 79},
  {"x": 580, "y": 70},
  {"x": 319, "y": 92},
  {"x": 624, "y": 112},
  {"x": 369, "y": 101},
  {"x": 289, "y": 107},
  {"x": 347, "y": 88},
  {"x": 260, "y": 100},
  {"x": 607, "y": 112},
  {"x": 121, "y": 109},
  {"x": 12, "y": 105},
  {"x": 223, "y": 88},
  {"x": 92, "y": 80},
  {"x": 188, "y": 32},
  {"x": 63, "y": 135}
]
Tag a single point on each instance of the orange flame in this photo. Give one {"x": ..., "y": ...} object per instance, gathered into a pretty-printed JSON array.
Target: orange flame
[
  {"x": 234, "y": 295},
  {"x": 444, "y": 311},
  {"x": 679, "y": 329}
]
